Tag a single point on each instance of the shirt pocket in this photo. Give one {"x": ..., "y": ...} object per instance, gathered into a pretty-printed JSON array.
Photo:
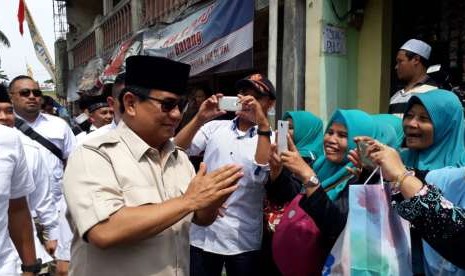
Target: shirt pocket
[{"x": 140, "y": 195}]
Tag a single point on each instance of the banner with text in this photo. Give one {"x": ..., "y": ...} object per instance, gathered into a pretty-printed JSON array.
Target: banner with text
[
  {"x": 211, "y": 36},
  {"x": 39, "y": 45}
]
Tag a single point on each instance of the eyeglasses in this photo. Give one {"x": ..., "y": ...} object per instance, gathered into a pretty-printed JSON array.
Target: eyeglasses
[
  {"x": 27, "y": 92},
  {"x": 169, "y": 104}
]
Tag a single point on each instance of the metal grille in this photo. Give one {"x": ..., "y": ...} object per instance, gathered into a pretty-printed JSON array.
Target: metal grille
[
  {"x": 60, "y": 24},
  {"x": 84, "y": 50},
  {"x": 156, "y": 10},
  {"x": 117, "y": 27}
]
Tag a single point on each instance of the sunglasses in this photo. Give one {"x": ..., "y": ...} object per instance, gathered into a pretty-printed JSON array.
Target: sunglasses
[
  {"x": 169, "y": 104},
  {"x": 26, "y": 92}
]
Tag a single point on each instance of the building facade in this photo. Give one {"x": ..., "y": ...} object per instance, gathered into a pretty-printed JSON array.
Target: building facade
[{"x": 321, "y": 54}]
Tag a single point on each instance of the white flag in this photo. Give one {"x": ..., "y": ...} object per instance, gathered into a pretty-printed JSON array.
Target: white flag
[{"x": 39, "y": 45}]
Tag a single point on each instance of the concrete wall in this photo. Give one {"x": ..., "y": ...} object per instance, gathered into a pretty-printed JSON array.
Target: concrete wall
[
  {"x": 61, "y": 67},
  {"x": 81, "y": 15},
  {"x": 358, "y": 79},
  {"x": 374, "y": 63}
]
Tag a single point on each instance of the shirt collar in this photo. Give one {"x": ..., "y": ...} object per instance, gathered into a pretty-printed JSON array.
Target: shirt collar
[
  {"x": 139, "y": 147},
  {"x": 251, "y": 132},
  {"x": 41, "y": 116}
]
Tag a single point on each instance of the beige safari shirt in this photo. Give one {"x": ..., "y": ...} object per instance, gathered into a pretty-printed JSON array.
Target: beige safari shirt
[{"x": 116, "y": 170}]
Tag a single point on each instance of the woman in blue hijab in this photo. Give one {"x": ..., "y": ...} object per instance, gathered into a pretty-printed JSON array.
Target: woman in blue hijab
[
  {"x": 434, "y": 137},
  {"x": 306, "y": 131},
  {"x": 326, "y": 183},
  {"x": 338, "y": 140},
  {"x": 434, "y": 131},
  {"x": 384, "y": 121}
]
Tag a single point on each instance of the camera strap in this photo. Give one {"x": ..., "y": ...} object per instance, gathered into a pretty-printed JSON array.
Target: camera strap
[{"x": 27, "y": 130}]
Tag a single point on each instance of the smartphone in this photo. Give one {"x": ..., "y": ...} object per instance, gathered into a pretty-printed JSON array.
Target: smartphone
[
  {"x": 283, "y": 127},
  {"x": 362, "y": 149},
  {"x": 229, "y": 103}
]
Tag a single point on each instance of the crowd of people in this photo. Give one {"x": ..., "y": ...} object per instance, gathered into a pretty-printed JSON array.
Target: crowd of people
[{"x": 123, "y": 197}]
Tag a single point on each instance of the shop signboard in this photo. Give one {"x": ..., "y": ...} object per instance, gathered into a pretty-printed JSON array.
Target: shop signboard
[
  {"x": 217, "y": 37},
  {"x": 334, "y": 40}
]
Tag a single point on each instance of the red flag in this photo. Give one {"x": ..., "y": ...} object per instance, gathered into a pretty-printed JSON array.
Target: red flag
[{"x": 21, "y": 16}]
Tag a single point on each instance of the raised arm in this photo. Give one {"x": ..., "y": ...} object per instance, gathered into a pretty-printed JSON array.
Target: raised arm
[{"x": 207, "y": 111}]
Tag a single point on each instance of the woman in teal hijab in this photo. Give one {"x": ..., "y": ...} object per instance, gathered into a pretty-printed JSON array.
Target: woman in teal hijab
[
  {"x": 326, "y": 183},
  {"x": 434, "y": 131},
  {"x": 332, "y": 172},
  {"x": 307, "y": 133},
  {"x": 384, "y": 121},
  {"x": 434, "y": 136}
]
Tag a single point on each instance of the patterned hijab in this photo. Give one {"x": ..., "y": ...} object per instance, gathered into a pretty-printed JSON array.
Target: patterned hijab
[
  {"x": 308, "y": 133},
  {"x": 448, "y": 149},
  {"x": 357, "y": 123}
]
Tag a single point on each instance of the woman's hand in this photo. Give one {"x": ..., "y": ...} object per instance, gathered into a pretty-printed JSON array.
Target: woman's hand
[
  {"x": 354, "y": 158},
  {"x": 384, "y": 156},
  {"x": 295, "y": 163},
  {"x": 276, "y": 166}
]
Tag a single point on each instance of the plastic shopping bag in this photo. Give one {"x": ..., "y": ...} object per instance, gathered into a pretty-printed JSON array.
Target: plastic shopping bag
[{"x": 375, "y": 241}]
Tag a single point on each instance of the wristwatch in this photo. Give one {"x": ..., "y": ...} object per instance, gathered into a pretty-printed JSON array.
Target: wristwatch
[
  {"x": 264, "y": 133},
  {"x": 33, "y": 268},
  {"x": 313, "y": 182}
]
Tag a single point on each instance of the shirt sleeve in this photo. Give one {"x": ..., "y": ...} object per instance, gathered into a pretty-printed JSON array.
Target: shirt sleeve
[
  {"x": 69, "y": 142},
  {"x": 430, "y": 211},
  {"x": 91, "y": 189},
  {"x": 329, "y": 216},
  {"x": 260, "y": 173},
  {"x": 44, "y": 207},
  {"x": 440, "y": 223},
  {"x": 199, "y": 142},
  {"x": 21, "y": 181}
]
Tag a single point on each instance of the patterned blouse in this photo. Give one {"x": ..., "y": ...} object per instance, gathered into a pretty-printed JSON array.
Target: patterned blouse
[{"x": 429, "y": 211}]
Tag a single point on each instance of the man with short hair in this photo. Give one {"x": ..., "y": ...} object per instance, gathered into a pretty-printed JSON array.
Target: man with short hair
[
  {"x": 100, "y": 114},
  {"x": 15, "y": 185},
  {"x": 40, "y": 200},
  {"x": 113, "y": 103},
  {"x": 411, "y": 65},
  {"x": 26, "y": 98},
  {"x": 131, "y": 193},
  {"x": 233, "y": 240}
]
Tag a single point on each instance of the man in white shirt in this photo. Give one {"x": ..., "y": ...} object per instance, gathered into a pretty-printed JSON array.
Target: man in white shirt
[
  {"x": 15, "y": 185},
  {"x": 411, "y": 66},
  {"x": 26, "y": 98},
  {"x": 100, "y": 114},
  {"x": 40, "y": 201},
  {"x": 114, "y": 104},
  {"x": 233, "y": 240}
]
